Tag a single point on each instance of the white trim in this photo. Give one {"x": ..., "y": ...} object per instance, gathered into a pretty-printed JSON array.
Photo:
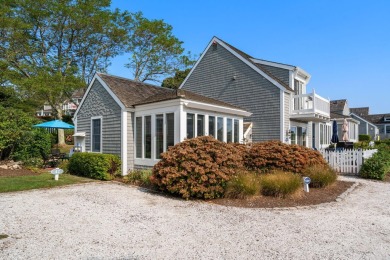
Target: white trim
[
  {"x": 96, "y": 77},
  {"x": 124, "y": 141},
  {"x": 101, "y": 133},
  {"x": 251, "y": 65},
  {"x": 368, "y": 123},
  {"x": 273, "y": 64},
  {"x": 282, "y": 116},
  {"x": 214, "y": 108}
]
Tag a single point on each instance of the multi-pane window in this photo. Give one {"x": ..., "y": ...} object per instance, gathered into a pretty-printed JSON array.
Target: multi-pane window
[
  {"x": 220, "y": 128},
  {"x": 164, "y": 133},
  {"x": 200, "y": 125},
  {"x": 159, "y": 135},
  {"x": 212, "y": 126},
  {"x": 138, "y": 137},
  {"x": 229, "y": 130},
  {"x": 170, "y": 131},
  {"x": 148, "y": 137},
  {"x": 96, "y": 135},
  {"x": 190, "y": 125},
  {"x": 236, "y": 131}
]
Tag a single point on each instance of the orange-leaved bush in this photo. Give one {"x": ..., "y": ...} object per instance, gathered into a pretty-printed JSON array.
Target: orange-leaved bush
[
  {"x": 275, "y": 155},
  {"x": 197, "y": 168}
]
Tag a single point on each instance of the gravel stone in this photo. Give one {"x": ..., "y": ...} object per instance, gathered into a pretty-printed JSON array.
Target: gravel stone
[{"x": 107, "y": 220}]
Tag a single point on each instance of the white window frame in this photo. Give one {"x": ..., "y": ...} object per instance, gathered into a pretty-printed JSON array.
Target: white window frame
[
  {"x": 101, "y": 134},
  {"x": 387, "y": 126}
]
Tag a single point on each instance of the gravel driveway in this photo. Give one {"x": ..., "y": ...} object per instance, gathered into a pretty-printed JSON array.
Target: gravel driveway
[{"x": 113, "y": 221}]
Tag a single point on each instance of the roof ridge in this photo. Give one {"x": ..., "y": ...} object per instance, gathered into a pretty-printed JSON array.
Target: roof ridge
[{"x": 127, "y": 79}]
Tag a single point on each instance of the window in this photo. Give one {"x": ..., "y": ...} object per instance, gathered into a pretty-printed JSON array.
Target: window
[
  {"x": 200, "y": 125},
  {"x": 148, "y": 137},
  {"x": 220, "y": 128},
  {"x": 293, "y": 135},
  {"x": 386, "y": 119},
  {"x": 170, "y": 131},
  {"x": 159, "y": 135},
  {"x": 229, "y": 129},
  {"x": 138, "y": 138},
  {"x": 190, "y": 125},
  {"x": 236, "y": 131},
  {"x": 387, "y": 129},
  {"x": 96, "y": 135},
  {"x": 212, "y": 126}
]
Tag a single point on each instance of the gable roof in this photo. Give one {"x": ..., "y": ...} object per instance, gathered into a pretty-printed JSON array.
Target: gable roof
[
  {"x": 360, "y": 111},
  {"x": 184, "y": 94},
  {"x": 131, "y": 92},
  {"x": 250, "y": 61},
  {"x": 337, "y": 105},
  {"x": 377, "y": 118}
]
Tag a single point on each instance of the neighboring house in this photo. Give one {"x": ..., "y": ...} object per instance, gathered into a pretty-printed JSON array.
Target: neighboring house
[
  {"x": 69, "y": 106},
  {"x": 366, "y": 127},
  {"x": 382, "y": 121},
  {"x": 339, "y": 110},
  {"x": 138, "y": 121},
  {"x": 274, "y": 92}
]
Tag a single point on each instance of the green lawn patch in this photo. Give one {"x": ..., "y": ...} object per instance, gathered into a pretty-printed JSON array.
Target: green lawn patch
[{"x": 44, "y": 180}]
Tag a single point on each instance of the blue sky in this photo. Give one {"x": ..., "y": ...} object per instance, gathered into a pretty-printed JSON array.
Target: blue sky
[{"x": 344, "y": 45}]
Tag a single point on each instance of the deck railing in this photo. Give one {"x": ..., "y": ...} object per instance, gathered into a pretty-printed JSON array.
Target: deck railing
[{"x": 310, "y": 103}]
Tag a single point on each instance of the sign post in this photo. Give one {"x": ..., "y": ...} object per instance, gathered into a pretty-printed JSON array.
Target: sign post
[
  {"x": 56, "y": 172},
  {"x": 306, "y": 182}
]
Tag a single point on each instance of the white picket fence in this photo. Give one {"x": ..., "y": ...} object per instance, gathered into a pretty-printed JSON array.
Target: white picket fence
[{"x": 347, "y": 161}]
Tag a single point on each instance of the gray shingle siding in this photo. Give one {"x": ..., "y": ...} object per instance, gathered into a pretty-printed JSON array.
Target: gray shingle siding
[
  {"x": 282, "y": 74},
  {"x": 287, "y": 103},
  {"x": 213, "y": 77},
  {"x": 99, "y": 103}
]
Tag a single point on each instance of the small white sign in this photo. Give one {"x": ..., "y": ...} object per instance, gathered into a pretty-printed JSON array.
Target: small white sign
[
  {"x": 56, "y": 172},
  {"x": 306, "y": 180}
]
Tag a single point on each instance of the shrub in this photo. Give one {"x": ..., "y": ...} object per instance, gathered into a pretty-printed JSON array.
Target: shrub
[
  {"x": 364, "y": 138},
  {"x": 14, "y": 124},
  {"x": 274, "y": 155},
  {"x": 320, "y": 175},
  {"x": 139, "y": 177},
  {"x": 280, "y": 184},
  {"x": 197, "y": 168},
  {"x": 94, "y": 165},
  {"x": 33, "y": 144},
  {"x": 378, "y": 166},
  {"x": 33, "y": 163},
  {"x": 243, "y": 185}
]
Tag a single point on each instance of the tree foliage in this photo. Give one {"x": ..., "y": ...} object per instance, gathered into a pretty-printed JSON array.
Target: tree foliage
[
  {"x": 175, "y": 81},
  {"x": 50, "y": 48},
  {"x": 154, "y": 50},
  {"x": 14, "y": 124}
]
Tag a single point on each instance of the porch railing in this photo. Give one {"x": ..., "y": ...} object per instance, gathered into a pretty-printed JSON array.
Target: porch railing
[{"x": 310, "y": 103}]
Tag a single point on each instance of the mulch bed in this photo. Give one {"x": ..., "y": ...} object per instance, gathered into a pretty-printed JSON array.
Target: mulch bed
[
  {"x": 15, "y": 173},
  {"x": 314, "y": 197}
]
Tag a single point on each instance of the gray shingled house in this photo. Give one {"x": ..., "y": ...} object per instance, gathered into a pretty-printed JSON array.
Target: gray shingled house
[
  {"x": 366, "y": 127},
  {"x": 274, "y": 92},
  {"x": 339, "y": 110},
  {"x": 139, "y": 121}
]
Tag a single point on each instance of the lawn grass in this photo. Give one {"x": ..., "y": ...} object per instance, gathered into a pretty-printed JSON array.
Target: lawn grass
[{"x": 44, "y": 180}]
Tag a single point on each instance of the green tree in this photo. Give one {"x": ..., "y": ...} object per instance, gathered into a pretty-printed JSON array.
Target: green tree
[
  {"x": 49, "y": 48},
  {"x": 14, "y": 124},
  {"x": 175, "y": 81},
  {"x": 154, "y": 51}
]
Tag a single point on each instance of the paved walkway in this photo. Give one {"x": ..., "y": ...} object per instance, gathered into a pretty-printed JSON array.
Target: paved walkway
[{"x": 112, "y": 221}]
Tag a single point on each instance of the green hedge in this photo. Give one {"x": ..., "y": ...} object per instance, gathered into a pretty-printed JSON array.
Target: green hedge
[
  {"x": 364, "y": 138},
  {"x": 94, "y": 165}
]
